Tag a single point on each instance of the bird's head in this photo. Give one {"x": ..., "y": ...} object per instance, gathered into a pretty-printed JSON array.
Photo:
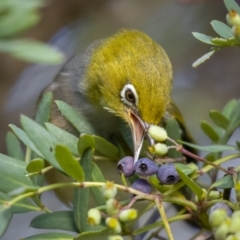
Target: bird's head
[{"x": 131, "y": 76}]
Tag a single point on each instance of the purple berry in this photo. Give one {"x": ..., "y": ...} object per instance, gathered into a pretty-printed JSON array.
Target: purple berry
[
  {"x": 146, "y": 167},
  {"x": 142, "y": 185},
  {"x": 167, "y": 174},
  {"x": 126, "y": 166}
]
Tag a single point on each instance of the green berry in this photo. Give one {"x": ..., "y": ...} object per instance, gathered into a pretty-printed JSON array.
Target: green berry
[
  {"x": 158, "y": 148},
  {"x": 113, "y": 224},
  {"x": 157, "y": 133},
  {"x": 217, "y": 217},
  {"x": 235, "y": 223},
  {"x": 112, "y": 206},
  {"x": 237, "y": 235},
  {"x": 221, "y": 232},
  {"x": 94, "y": 216},
  {"x": 231, "y": 237},
  {"x": 128, "y": 215},
  {"x": 233, "y": 18},
  {"x": 109, "y": 190}
]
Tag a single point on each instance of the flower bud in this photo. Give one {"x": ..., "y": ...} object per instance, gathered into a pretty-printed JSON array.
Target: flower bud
[
  {"x": 236, "y": 31},
  {"x": 112, "y": 206},
  {"x": 114, "y": 224},
  {"x": 157, "y": 133},
  {"x": 109, "y": 190},
  {"x": 128, "y": 215},
  {"x": 221, "y": 232},
  {"x": 233, "y": 18},
  {"x": 115, "y": 237},
  {"x": 158, "y": 148},
  {"x": 94, "y": 216}
]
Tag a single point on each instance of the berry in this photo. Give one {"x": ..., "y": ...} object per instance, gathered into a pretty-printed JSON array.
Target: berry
[
  {"x": 158, "y": 148},
  {"x": 233, "y": 18},
  {"x": 126, "y": 166},
  {"x": 145, "y": 167},
  {"x": 112, "y": 206},
  {"x": 157, "y": 133},
  {"x": 94, "y": 216},
  {"x": 128, "y": 215},
  {"x": 114, "y": 224},
  {"x": 109, "y": 190},
  {"x": 115, "y": 237},
  {"x": 221, "y": 232},
  {"x": 218, "y": 213},
  {"x": 167, "y": 174},
  {"x": 142, "y": 185}
]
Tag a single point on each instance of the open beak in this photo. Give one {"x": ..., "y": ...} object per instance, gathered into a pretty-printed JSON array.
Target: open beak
[{"x": 139, "y": 131}]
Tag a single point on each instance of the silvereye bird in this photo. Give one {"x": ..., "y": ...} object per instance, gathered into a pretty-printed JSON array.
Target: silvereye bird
[{"x": 126, "y": 77}]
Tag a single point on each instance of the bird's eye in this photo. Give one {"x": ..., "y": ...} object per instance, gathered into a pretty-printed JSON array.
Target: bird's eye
[{"x": 129, "y": 95}]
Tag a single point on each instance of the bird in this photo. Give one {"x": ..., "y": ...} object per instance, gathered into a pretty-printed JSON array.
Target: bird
[{"x": 127, "y": 78}]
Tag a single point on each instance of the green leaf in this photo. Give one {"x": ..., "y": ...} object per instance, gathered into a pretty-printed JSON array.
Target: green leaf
[
  {"x": 32, "y": 51},
  {"x": 209, "y": 131},
  {"x": 98, "y": 143},
  {"x": 203, "y": 59},
  {"x": 234, "y": 118},
  {"x": 173, "y": 131},
  {"x": 211, "y": 148},
  {"x": 105, "y": 147},
  {"x": 97, "y": 235},
  {"x": 97, "y": 176},
  {"x": 5, "y": 213},
  {"x": 13, "y": 174},
  {"x": 63, "y": 137},
  {"x": 36, "y": 165},
  {"x": 22, "y": 190},
  {"x": 25, "y": 139},
  {"x": 187, "y": 168},
  {"x": 41, "y": 138},
  {"x": 16, "y": 21},
  {"x": 44, "y": 108},
  {"x": 232, "y": 5},
  {"x": 228, "y": 108},
  {"x": 75, "y": 118},
  {"x": 85, "y": 141},
  {"x": 203, "y": 38},
  {"x": 62, "y": 220},
  {"x": 81, "y": 195},
  {"x": 13, "y": 146},
  {"x": 190, "y": 183},
  {"x": 224, "y": 182},
  {"x": 222, "y": 42},
  {"x": 222, "y": 29},
  {"x": 219, "y": 119},
  {"x": 50, "y": 236},
  {"x": 68, "y": 163}
]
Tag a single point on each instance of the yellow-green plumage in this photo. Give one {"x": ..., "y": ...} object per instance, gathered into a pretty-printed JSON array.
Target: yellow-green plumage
[{"x": 130, "y": 57}]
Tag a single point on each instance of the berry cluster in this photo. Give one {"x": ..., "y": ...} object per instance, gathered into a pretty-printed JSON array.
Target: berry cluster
[
  {"x": 114, "y": 215},
  {"x": 225, "y": 223},
  {"x": 145, "y": 167}
]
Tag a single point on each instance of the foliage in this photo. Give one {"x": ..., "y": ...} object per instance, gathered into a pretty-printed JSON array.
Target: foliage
[
  {"x": 228, "y": 36},
  {"x": 15, "y": 18}
]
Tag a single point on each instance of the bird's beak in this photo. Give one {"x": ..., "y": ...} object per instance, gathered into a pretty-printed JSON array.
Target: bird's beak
[{"x": 139, "y": 131}]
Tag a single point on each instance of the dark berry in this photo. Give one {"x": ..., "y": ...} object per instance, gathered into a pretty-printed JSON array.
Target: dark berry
[
  {"x": 126, "y": 166},
  {"x": 142, "y": 185},
  {"x": 167, "y": 174},
  {"x": 146, "y": 167}
]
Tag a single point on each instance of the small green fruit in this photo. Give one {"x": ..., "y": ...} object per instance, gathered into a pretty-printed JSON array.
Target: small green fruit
[
  {"x": 157, "y": 133},
  {"x": 113, "y": 224},
  {"x": 221, "y": 232},
  {"x": 158, "y": 148},
  {"x": 109, "y": 190},
  {"x": 112, "y": 206},
  {"x": 128, "y": 215},
  {"x": 94, "y": 216},
  {"x": 217, "y": 217}
]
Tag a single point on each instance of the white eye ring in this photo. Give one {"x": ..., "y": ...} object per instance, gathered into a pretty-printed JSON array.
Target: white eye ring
[{"x": 129, "y": 95}]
